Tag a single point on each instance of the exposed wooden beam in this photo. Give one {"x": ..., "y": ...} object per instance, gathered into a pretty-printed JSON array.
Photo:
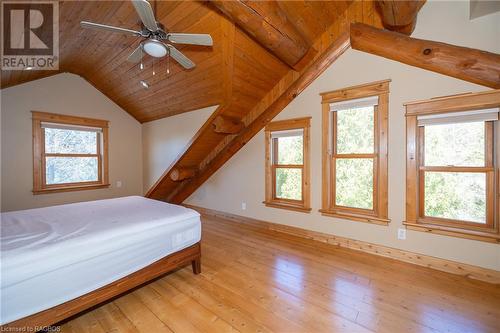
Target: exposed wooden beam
[
  {"x": 179, "y": 174},
  {"x": 399, "y": 15},
  {"x": 268, "y": 24},
  {"x": 463, "y": 63},
  {"x": 226, "y": 125},
  {"x": 153, "y": 192},
  {"x": 309, "y": 75}
]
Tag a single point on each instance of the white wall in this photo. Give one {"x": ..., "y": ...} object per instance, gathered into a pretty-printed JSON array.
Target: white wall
[
  {"x": 242, "y": 178},
  {"x": 72, "y": 95},
  {"x": 164, "y": 139}
]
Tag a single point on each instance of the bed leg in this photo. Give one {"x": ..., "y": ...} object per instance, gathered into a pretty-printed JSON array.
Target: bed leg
[{"x": 196, "y": 266}]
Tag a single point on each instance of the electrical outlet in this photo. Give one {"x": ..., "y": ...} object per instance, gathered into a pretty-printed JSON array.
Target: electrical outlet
[
  {"x": 401, "y": 233},
  {"x": 118, "y": 183},
  {"x": 243, "y": 206}
]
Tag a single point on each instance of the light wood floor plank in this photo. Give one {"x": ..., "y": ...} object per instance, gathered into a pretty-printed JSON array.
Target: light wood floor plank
[
  {"x": 256, "y": 280},
  {"x": 142, "y": 318},
  {"x": 442, "y": 306}
]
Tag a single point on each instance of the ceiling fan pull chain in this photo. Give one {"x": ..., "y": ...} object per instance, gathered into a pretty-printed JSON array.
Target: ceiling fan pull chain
[
  {"x": 141, "y": 66},
  {"x": 168, "y": 64}
]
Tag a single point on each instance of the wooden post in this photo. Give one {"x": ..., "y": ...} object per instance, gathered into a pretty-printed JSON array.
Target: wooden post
[
  {"x": 179, "y": 174},
  {"x": 226, "y": 125},
  {"x": 399, "y": 15}
]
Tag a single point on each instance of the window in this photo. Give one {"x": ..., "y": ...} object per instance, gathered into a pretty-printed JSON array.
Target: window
[
  {"x": 69, "y": 153},
  {"x": 451, "y": 167},
  {"x": 355, "y": 153},
  {"x": 287, "y": 164}
]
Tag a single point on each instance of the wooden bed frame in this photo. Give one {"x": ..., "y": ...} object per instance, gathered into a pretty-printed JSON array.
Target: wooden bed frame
[{"x": 65, "y": 310}]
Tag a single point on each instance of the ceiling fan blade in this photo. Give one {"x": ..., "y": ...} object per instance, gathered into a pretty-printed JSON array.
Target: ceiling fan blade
[
  {"x": 194, "y": 39},
  {"x": 145, "y": 12},
  {"x": 136, "y": 55},
  {"x": 98, "y": 26},
  {"x": 180, "y": 58}
]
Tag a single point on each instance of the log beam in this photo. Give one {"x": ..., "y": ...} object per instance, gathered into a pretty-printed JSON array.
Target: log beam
[
  {"x": 463, "y": 63},
  {"x": 398, "y": 15},
  {"x": 226, "y": 125},
  {"x": 180, "y": 174},
  {"x": 334, "y": 51},
  {"x": 267, "y": 23}
]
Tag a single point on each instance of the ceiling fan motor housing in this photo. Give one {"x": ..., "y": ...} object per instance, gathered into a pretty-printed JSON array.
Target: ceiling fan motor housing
[{"x": 160, "y": 33}]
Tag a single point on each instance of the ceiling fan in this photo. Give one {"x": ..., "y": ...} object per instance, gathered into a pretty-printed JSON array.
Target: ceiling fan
[{"x": 158, "y": 43}]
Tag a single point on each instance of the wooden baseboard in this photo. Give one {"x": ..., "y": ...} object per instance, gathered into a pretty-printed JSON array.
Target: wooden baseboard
[{"x": 466, "y": 270}]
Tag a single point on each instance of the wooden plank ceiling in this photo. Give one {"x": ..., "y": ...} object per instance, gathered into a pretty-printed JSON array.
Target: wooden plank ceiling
[
  {"x": 100, "y": 57},
  {"x": 246, "y": 72}
]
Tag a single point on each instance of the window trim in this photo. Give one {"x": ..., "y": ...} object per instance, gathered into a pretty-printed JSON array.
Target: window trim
[
  {"x": 303, "y": 205},
  {"x": 379, "y": 213},
  {"x": 39, "y": 185},
  {"x": 414, "y": 149}
]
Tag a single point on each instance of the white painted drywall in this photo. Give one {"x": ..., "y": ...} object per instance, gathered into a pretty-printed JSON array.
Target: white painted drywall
[
  {"x": 242, "y": 178},
  {"x": 64, "y": 94},
  {"x": 164, "y": 139}
]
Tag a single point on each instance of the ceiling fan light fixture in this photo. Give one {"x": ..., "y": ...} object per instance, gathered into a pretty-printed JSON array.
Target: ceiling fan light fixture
[
  {"x": 144, "y": 84},
  {"x": 155, "y": 48}
]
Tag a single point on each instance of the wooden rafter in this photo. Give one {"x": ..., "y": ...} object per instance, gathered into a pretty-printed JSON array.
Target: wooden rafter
[
  {"x": 204, "y": 151},
  {"x": 268, "y": 24},
  {"x": 463, "y": 63},
  {"x": 308, "y": 76}
]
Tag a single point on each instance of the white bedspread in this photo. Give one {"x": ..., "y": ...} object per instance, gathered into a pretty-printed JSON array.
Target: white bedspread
[{"x": 54, "y": 254}]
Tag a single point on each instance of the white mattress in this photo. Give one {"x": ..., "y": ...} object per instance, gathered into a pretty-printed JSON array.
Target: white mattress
[{"x": 54, "y": 254}]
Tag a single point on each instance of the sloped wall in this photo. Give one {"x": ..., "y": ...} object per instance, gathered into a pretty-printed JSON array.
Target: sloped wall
[
  {"x": 64, "y": 94},
  {"x": 164, "y": 139},
  {"x": 242, "y": 178}
]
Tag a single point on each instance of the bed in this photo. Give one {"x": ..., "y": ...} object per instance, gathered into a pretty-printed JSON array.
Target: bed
[{"x": 60, "y": 260}]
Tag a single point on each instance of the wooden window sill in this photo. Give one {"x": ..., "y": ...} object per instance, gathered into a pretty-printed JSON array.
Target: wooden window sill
[
  {"x": 70, "y": 188},
  {"x": 491, "y": 237},
  {"x": 356, "y": 217},
  {"x": 280, "y": 205}
]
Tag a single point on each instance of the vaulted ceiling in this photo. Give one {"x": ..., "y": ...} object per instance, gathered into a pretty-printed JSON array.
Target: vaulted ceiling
[
  {"x": 265, "y": 53},
  {"x": 237, "y": 67}
]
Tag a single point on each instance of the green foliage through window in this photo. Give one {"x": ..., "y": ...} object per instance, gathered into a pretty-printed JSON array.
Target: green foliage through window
[
  {"x": 354, "y": 176},
  {"x": 355, "y": 131},
  {"x": 455, "y": 195},
  {"x": 290, "y": 151},
  {"x": 289, "y": 183},
  {"x": 354, "y": 182},
  {"x": 459, "y": 144}
]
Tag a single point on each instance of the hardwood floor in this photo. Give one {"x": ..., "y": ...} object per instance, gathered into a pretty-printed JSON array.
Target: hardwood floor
[{"x": 263, "y": 281}]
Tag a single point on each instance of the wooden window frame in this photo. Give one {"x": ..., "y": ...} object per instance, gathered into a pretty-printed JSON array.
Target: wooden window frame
[
  {"x": 379, "y": 213},
  {"x": 271, "y": 200},
  {"x": 39, "y": 155},
  {"x": 415, "y": 168}
]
